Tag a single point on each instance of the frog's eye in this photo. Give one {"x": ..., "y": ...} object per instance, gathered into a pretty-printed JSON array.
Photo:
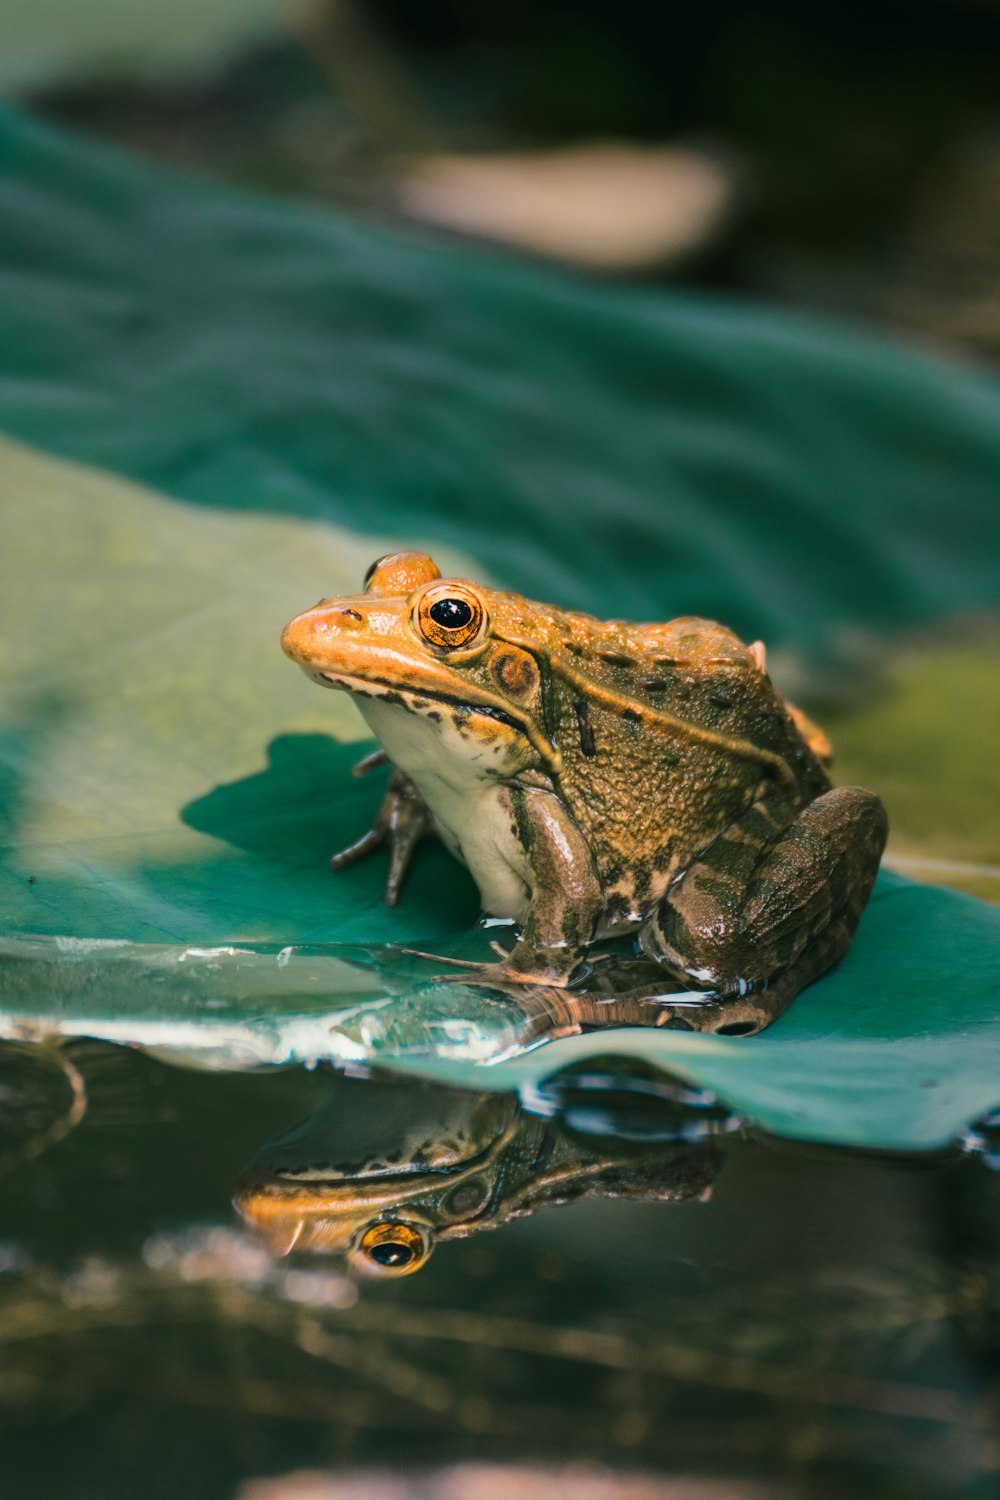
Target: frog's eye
[
  {"x": 391, "y": 1248},
  {"x": 451, "y": 615}
]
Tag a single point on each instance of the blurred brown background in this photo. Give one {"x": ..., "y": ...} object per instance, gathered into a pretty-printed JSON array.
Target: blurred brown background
[{"x": 842, "y": 158}]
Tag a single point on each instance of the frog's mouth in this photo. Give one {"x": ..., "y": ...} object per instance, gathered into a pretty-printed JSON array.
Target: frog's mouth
[
  {"x": 400, "y": 692},
  {"x": 417, "y": 700}
]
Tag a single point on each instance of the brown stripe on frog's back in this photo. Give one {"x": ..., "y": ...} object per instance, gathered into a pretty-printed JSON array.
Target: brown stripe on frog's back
[{"x": 634, "y": 713}]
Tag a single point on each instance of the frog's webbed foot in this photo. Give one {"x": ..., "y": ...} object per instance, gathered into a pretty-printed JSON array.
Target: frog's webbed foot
[
  {"x": 401, "y": 823},
  {"x": 715, "y": 1017},
  {"x": 610, "y": 993},
  {"x": 508, "y": 975}
]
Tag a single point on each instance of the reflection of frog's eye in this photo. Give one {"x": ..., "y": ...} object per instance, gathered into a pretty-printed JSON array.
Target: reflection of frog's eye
[
  {"x": 392, "y": 1249},
  {"x": 450, "y": 616}
]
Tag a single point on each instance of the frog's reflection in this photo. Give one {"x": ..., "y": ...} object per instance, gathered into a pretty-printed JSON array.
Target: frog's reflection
[{"x": 385, "y": 1168}]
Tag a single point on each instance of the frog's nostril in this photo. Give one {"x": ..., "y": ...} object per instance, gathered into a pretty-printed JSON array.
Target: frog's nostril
[{"x": 352, "y": 614}]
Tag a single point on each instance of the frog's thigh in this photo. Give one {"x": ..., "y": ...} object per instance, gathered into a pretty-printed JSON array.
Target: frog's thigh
[{"x": 773, "y": 905}]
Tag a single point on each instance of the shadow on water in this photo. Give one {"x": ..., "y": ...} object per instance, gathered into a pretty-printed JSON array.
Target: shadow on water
[{"x": 812, "y": 1324}]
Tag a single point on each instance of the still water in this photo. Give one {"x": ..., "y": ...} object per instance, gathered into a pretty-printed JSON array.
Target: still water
[{"x": 660, "y": 1292}]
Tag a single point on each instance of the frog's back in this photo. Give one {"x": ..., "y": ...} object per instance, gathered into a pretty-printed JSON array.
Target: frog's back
[
  {"x": 688, "y": 671},
  {"x": 690, "y": 714}
]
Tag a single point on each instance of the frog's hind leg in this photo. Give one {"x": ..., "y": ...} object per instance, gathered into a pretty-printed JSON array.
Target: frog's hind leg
[{"x": 771, "y": 905}]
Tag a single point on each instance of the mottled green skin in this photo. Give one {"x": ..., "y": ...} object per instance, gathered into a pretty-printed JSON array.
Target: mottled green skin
[{"x": 621, "y": 777}]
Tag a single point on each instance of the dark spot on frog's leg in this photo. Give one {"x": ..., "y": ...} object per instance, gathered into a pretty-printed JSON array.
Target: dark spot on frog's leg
[
  {"x": 618, "y": 659},
  {"x": 632, "y": 718},
  {"x": 432, "y": 713},
  {"x": 522, "y": 826},
  {"x": 617, "y": 907},
  {"x": 582, "y": 712},
  {"x": 761, "y": 823},
  {"x": 642, "y": 877}
]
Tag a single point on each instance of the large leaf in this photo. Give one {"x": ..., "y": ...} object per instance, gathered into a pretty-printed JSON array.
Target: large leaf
[
  {"x": 315, "y": 393},
  {"x": 713, "y": 458}
]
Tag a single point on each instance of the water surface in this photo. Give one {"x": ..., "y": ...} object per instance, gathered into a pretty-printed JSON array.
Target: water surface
[{"x": 711, "y": 1304}]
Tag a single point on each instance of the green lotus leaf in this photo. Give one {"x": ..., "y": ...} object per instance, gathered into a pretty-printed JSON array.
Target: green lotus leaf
[{"x": 257, "y": 399}]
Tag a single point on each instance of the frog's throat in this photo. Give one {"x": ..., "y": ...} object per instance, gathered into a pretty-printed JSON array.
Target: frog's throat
[
  {"x": 476, "y": 698},
  {"x": 620, "y": 703}
]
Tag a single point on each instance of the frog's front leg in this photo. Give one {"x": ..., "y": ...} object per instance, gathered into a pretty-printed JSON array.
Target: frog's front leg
[
  {"x": 401, "y": 822},
  {"x": 565, "y": 899},
  {"x": 564, "y": 894},
  {"x": 771, "y": 905}
]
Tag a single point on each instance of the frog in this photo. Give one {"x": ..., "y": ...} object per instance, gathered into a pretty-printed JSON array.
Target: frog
[
  {"x": 387, "y": 1168},
  {"x": 601, "y": 779}
]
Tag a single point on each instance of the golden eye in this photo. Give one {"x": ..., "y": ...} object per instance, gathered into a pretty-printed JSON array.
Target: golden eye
[
  {"x": 393, "y": 1249},
  {"x": 451, "y": 616}
]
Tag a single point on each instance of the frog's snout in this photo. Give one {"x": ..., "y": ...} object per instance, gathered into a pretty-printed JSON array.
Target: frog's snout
[
  {"x": 311, "y": 637},
  {"x": 289, "y": 640}
]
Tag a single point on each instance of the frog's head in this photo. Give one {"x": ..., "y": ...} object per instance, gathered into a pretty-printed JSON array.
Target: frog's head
[
  {"x": 441, "y": 649},
  {"x": 380, "y": 1172}
]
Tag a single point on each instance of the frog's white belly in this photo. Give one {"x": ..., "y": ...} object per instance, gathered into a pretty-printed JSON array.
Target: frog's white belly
[{"x": 467, "y": 803}]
